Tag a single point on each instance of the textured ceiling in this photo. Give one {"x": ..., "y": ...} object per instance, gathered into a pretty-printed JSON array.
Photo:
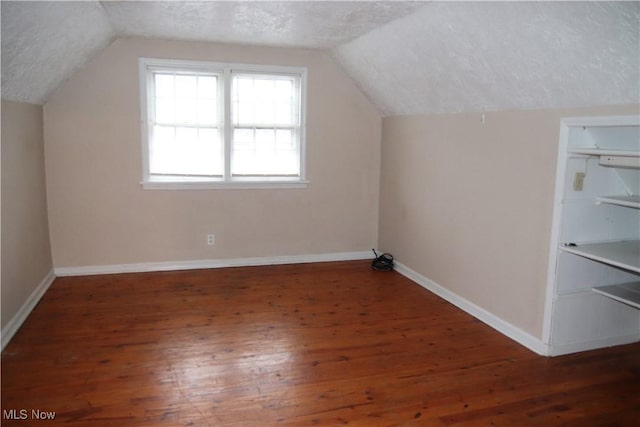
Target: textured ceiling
[
  {"x": 408, "y": 57},
  {"x": 43, "y": 43},
  {"x": 314, "y": 24},
  {"x": 452, "y": 57}
]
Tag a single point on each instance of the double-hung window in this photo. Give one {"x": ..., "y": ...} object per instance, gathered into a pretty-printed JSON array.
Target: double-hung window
[{"x": 208, "y": 125}]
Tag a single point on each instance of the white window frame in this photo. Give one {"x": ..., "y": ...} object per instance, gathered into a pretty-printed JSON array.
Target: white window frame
[{"x": 224, "y": 70}]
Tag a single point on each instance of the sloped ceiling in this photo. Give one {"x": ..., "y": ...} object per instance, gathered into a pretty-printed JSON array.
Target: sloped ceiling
[
  {"x": 408, "y": 57},
  {"x": 458, "y": 56},
  {"x": 44, "y": 43},
  {"x": 310, "y": 24}
]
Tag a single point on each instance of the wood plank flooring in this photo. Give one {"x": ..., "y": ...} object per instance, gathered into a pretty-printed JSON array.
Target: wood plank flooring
[{"x": 300, "y": 345}]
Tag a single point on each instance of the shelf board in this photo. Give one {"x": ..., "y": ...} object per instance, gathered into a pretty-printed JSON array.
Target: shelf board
[
  {"x": 625, "y": 254},
  {"x": 627, "y": 293},
  {"x": 628, "y": 201},
  {"x": 603, "y": 152}
]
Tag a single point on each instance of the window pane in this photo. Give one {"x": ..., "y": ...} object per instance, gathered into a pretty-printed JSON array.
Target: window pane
[
  {"x": 243, "y": 140},
  {"x": 165, "y": 110},
  {"x": 186, "y": 134},
  {"x": 262, "y": 88},
  {"x": 185, "y": 151},
  {"x": 260, "y": 105},
  {"x": 186, "y": 86},
  {"x": 264, "y": 100},
  {"x": 211, "y": 151},
  {"x": 164, "y": 85},
  {"x": 244, "y": 113},
  {"x": 284, "y": 90},
  {"x": 207, "y": 87},
  {"x": 284, "y": 140},
  {"x": 263, "y": 152},
  {"x": 265, "y": 140},
  {"x": 186, "y": 111},
  {"x": 244, "y": 87},
  {"x": 186, "y": 99},
  {"x": 160, "y": 155},
  {"x": 284, "y": 100},
  {"x": 248, "y": 163},
  {"x": 264, "y": 112},
  {"x": 207, "y": 112},
  {"x": 283, "y": 114}
]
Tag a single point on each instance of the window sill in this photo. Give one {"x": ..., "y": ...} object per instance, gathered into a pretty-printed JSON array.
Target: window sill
[{"x": 222, "y": 185}]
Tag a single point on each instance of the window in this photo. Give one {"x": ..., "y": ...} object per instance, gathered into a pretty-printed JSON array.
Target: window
[{"x": 208, "y": 125}]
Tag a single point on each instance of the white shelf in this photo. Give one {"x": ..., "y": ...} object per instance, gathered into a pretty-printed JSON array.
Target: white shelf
[
  {"x": 603, "y": 152},
  {"x": 625, "y": 254},
  {"x": 593, "y": 293},
  {"x": 628, "y": 201},
  {"x": 627, "y": 293}
]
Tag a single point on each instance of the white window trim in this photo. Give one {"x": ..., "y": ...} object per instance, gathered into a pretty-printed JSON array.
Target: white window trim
[{"x": 224, "y": 69}]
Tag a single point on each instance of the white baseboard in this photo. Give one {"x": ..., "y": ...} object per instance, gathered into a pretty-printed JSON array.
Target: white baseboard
[
  {"x": 495, "y": 322},
  {"x": 210, "y": 263},
  {"x": 532, "y": 343},
  {"x": 558, "y": 350},
  {"x": 14, "y": 324}
]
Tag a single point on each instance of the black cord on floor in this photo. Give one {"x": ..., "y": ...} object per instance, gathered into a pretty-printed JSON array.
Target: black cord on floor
[{"x": 383, "y": 262}]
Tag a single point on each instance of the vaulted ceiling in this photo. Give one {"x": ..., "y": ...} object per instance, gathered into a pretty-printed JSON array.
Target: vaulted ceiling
[
  {"x": 479, "y": 56},
  {"x": 408, "y": 57}
]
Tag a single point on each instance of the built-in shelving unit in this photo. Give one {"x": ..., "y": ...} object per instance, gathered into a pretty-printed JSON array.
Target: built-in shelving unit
[
  {"x": 593, "y": 295},
  {"x": 602, "y": 152},
  {"x": 627, "y": 293},
  {"x": 624, "y": 254},
  {"x": 627, "y": 201}
]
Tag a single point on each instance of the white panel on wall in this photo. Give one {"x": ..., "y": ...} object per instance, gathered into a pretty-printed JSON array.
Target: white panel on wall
[
  {"x": 588, "y": 316},
  {"x": 576, "y": 273}
]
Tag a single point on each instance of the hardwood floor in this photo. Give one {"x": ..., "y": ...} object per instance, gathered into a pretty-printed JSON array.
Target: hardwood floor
[{"x": 315, "y": 344}]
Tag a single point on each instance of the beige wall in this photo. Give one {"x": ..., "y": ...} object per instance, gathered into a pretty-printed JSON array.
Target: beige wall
[
  {"x": 100, "y": 215},
  {"x": 26, "y": 253},
  {"x": 469, "y": 205}
]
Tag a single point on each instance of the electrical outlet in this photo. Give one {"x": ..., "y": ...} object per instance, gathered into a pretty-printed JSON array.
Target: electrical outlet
[
  {"x": 578, "y": 181},
  {"x": 211, "y": 239}
]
